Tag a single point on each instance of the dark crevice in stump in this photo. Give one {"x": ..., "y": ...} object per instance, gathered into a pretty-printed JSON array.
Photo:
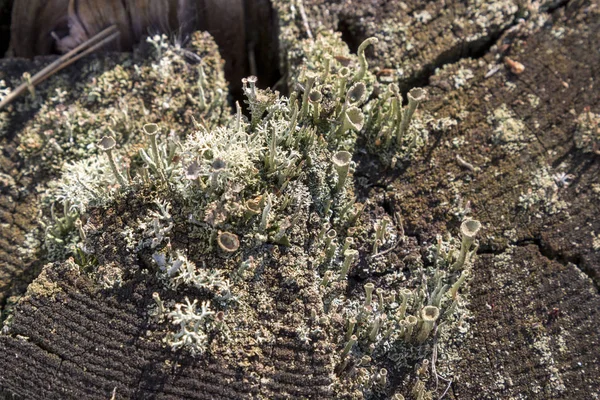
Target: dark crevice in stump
[{"x": 5, "y": 14}]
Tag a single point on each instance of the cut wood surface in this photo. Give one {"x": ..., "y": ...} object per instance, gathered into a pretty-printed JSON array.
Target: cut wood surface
[
  {"x": 534, "y": 327},
  {"x": 77, "y": 341}
]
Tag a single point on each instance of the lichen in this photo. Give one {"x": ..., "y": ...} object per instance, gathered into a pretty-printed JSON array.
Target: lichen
[
  {"x": 595, "y": 241},
  {"x": 508, "y": 130},
  {"x": 587, "y": 132},
  {"x": 554, "y": 385},
  {"x": 543, "y": 194},
  {"x": 141, "y": 88},
  {"x": 159, "y": 198},
  {"x": 42, "y": 286}
]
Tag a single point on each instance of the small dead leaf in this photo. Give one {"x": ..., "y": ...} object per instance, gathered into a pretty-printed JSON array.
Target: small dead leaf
[{"x": 514, "y": 66}]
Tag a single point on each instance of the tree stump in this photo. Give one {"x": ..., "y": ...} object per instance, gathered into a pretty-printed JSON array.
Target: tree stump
[{"x": 510, "y": 160}]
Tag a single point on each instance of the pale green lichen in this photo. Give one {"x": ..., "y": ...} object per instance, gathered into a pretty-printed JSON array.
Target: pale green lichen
[
  {"x": 193, "y": 325},
  {"x": 508, "y": 130},
  {"x": 120, "y": 100},
  {"x": 543, "y": 194},
  {"x": 595, "y": 241},
  {"x": 587, "y": 132}
]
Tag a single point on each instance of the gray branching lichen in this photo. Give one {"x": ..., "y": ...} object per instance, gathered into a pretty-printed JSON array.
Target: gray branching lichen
[{"x": 192, "y": 324}]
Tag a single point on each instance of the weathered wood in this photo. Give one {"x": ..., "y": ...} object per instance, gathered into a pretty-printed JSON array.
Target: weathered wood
[
  {"x": 41, "y": 27},
  {"x": 78, "y": 341},
  {"x": 46, "y": 27},
  {"x": 535, "y": 324}
]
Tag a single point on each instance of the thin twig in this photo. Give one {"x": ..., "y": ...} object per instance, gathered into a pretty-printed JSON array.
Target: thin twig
[
  {"x": 304, "y": 18},
  {"x": 67, "y": 59},
  {"x": 99, "y": 36},
  {"x": 464, "y": 163},
  {"x": 447, "y": 388},
  {"x": 85, "y": 53},
  {"x": 386, "y": 250},
  {"x": 433, "y": 361}
]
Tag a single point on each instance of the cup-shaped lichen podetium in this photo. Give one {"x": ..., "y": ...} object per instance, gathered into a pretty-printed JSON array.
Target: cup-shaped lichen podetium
[
  {"x": 193, "y": 172},
  {"x": 362, "y": 59},
  {"x": 350, "y": 330},
  {"x": 411, "y": 322},
  {"x": 468, "y": 230},
  {"x": 382, "y": 377},
  {"x": 341, "y": 163},
  {"x": 374, "y": 329},
  {"x": 151, "y": 130},
  {"x": 369, "y": 287},
  {"x": 349, "y": 256},
  {"x": 356, "y": 94},
  {"x": 406, "y": 294},
  {"x": 343, "y": 75},
  {"x": 228, "y": 242},
  {"x": 252, "y": 207},
  {"x": 308, "y": 84},
  {"x": 351, "y": 342},
  {"x": 429, "y": 314},
  {"x": 465, "y": 274},
  {"x": 352, "y": 119},
  {"x": 331, "y": 235},
  {"x": 218, "y": 165},
  {"x": 415, "y": 97},
  {"x": 251, "y": 80},
  {"x": 107, "y": 144},
  {"x": 315, "y": 97}
]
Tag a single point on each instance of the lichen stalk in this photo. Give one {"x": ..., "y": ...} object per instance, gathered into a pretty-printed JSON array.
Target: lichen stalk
[
  {"x": 415, "y": 97},
  {"x": 362, "y": 59},
  {"x": 429, "y": 314},
  {"x": 469, "y": 230}
]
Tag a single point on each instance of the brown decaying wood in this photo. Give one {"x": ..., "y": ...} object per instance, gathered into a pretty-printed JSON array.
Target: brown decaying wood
[{"x": 33, "y": 21}]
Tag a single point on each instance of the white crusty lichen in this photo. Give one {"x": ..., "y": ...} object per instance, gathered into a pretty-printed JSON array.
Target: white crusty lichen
[
  {"x": 83, "y": 183},
  {"x": 508, "y": 130},
  {"x": 544, "y": 193},
  {"x": 177, "y": 271},
  {"x": 587, "y": 132}
]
